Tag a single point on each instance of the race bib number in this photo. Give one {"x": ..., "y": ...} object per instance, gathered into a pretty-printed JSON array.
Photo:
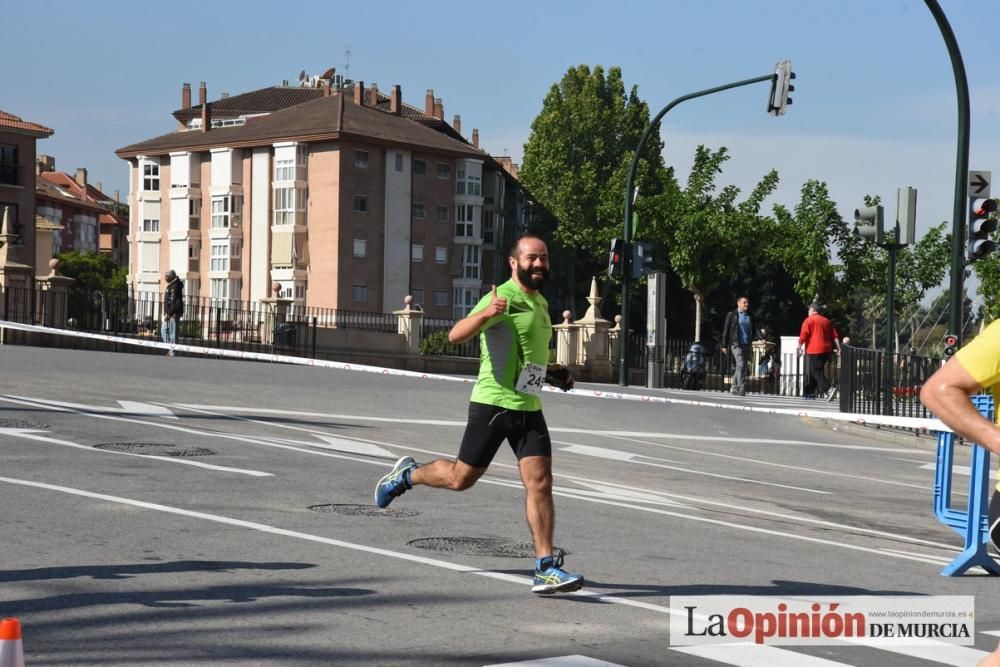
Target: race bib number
[{"x": 531, "y": 379}]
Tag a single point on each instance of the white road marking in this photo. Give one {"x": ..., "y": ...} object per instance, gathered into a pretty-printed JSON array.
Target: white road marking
[
  {"x": 274, "y": 530},
  {"x": 959, "y": 470},
  {"x": 603, "y": 453},
  {"x": 147, "y": 409},
  {"x": 354, "y": 447},
  {"x": 929, "y": 650},
  {"x": 324, "y": 415},
  {"x": 565, "y": 492},
  {"x": 752, "y": 654},
  {"x": 33, "y": 435},
  {"x": 597, "y": 452},
  {"x": 615, "y": 493},
  {"x": 561, "y": 661}
]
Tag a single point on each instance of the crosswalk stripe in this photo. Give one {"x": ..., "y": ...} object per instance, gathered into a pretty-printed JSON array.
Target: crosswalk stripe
[
  {"x": 751, "y": 654},
  {"x": 935, "y": 651}
]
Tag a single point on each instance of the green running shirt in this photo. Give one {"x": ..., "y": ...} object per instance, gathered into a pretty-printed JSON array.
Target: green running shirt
[{"x": 507, "y": 342}]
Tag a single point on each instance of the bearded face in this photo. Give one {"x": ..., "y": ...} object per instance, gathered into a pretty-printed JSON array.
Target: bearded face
[{"x": 532, "y": 274}]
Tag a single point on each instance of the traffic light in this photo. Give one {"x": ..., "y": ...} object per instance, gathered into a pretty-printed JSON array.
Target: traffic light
[
  {"x": 981, "y": 225},
  {"x": 950, "y": 345},
  {"x": 869, "y": 223},
  {"x": 616, "y": 258},
  {"x": 781, "y": 86},
  {"x": 642, "y": 258}
]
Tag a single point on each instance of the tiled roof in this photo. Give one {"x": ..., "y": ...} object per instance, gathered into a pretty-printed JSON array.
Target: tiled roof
[
  {"x": 49, "y": 190},
  {"x": 265, "y": 100},
  {"x": 9, "y": 121},
  {"x": 60, "y": 185},
  {"x": 326, "y": 118}
]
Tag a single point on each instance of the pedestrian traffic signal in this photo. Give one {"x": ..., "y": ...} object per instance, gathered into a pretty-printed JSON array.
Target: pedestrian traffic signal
[
  {"x": 642, "y": 258},
  {"x": 616, "y": 259},
  {"x": 781, "y": 86},
  {"x": 982, "y": 224},
  {"x": 950, "y": 345},
  {"x": 869, "y": 223}
]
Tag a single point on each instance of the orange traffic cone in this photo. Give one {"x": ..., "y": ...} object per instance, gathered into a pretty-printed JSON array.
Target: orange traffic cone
[{"x": 11, "y": 652}]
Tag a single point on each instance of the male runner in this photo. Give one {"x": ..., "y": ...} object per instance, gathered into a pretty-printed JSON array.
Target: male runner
[{"x": 514, "y": 328}]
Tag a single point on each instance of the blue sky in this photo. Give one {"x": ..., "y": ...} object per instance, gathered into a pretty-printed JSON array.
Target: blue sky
[{"x": 874, "y": 102}]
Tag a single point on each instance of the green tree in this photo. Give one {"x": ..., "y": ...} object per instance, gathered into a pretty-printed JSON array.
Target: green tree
[
  {"x": 92, "y": 270},
  {"x": 708, "y": 235},
  {"x": 576, "y": 162}
]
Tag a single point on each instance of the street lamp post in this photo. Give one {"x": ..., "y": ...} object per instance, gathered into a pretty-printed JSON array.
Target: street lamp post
[{"x": 630, "y": 197}]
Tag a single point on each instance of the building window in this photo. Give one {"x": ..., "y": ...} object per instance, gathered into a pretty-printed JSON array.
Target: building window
[
  {"x": 289, "y": 206},
  {"x": 150, "y": 177},
  {"x": 417, "y": 252},
  {"x": 150, "y": 225},
  {"x": 470, "y": 264},
  {"x": 361, "y": 159},
  {"x": 222, "y": 253},
  {"x": 284, "y": 170},
  {"x": 194, "y": 208},
  {"x": 465, "y": 300},
  {"x": 300, "y": 292},
  {"x": 360, "y": 248},
  {"x": 467, "y": 185},
  {"x": 440, "y": 297},
  {"x": 399, "y": 162},
  {"x": 488, "y": 227},
  {"x": 225, "y": 211},
  {"x": 440, "y": 255},
  {"x": 419, "y": 167},
  {"x": 8, "y": 164},
  {"x": 418, "y": 210},
  {"x": 444, "y": 170},
  {"x": 442, "y": 214},
  {"x": 463, "y": 220},
  {"x": 418, "y": 296},
  {"x": 360, "y": 204},
  {"x": 359, "y": 293}
]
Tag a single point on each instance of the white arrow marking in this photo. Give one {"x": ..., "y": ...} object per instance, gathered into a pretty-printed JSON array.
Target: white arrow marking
[
  {"x": 599, "y": 452},
  {"x": 353, "y": 447},
  {"x": 617, "y": 493},
  {"x": 147, "y": 409}
]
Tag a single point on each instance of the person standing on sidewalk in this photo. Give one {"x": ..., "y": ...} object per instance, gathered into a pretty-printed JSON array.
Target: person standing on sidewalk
[
  {"x": 737, "y": 335},
  {"x": 513, "y": 324},
  {"x": 173, "y": 308},
  {"x": 818, "y": 339}
]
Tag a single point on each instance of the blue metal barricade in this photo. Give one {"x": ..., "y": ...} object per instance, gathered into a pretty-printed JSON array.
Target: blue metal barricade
[{"x": 972, "y": 523}]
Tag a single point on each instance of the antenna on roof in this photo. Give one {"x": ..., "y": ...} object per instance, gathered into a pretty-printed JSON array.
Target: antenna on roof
[
  {"x": 302, "y": 75},
  {"x": 347, "y": 67}
]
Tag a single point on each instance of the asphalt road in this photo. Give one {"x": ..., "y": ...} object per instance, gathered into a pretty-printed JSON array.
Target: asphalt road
[{"x": 262, "y": 546}]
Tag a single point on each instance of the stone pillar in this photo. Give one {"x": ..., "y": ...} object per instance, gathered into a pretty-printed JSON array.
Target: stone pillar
[
  {"x": 16, "y": 280},
  {"x": 409, "y": 325},
  {"x": 760, "y": 349},
  {"x": 615, "y": 341},
  {"x": 52, "y": 305},
  {"x": 275, "y": 313},
  {"x": 567, "y": 347},
  {"x": 594, "y": 339}
]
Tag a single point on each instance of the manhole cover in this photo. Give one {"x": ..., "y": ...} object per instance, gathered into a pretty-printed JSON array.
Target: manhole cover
[
  {"x": 20, "y": 423},
  {"x": 154, "y": 449},
  {"x": 363, "y": 510},
  {"x": 479, "y": 546}
]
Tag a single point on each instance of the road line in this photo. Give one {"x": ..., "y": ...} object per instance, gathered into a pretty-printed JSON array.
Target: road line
[
  {"x": 25, "y": 433},
  {"x": 929, "y": 650},
  {"x": 752, "y": 654}
]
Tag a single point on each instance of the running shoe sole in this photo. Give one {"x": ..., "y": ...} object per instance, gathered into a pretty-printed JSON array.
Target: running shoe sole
[
  {"x": 402, "y": 462},
  {"x": 565, "y": 587}
]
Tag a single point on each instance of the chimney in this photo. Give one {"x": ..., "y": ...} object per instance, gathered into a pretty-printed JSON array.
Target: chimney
[
  {"x": 438, "y": 108},
  {"x": 429, "y": 103},
  {"x": 118, "y": 195},
  {"x": 396, "y": 101},
  {"x": 223, "y": 96},
  {"x": 44, "y": 163},
  {"x": 80, "y": 177},
  {"x": 359, "y": 92},
  {"x": 475, "y": 138},
  {"x": 100, "y": 186},
  {"x": 202, "y": 94},
  {"x": 206, "y": 117},
  {"x": 373, "y": 95},
  {"x": 457, "y": 123},
  {"x": 186, "y": 96}
]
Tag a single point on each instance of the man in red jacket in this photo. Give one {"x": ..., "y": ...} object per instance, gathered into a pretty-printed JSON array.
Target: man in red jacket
[{"x": 819, "y": 339}]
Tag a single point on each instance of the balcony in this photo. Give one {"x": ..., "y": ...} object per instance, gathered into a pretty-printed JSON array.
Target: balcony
[{"x": 11, "y": 174}]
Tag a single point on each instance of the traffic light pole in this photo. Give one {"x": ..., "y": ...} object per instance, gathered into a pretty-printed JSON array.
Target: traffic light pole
[
  {"x": 956, "y": 293},
  {"x": 626, "y": 269},
  {"x": 890, "y": 329}
]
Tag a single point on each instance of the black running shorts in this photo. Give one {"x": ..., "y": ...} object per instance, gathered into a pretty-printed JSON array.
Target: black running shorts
[{"x": 490, "y": 425}]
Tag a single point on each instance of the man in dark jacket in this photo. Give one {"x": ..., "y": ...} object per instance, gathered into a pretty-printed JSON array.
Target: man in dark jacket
[
  {"x": 173, "y": 308},
  {"x": 737, "y": 335}
]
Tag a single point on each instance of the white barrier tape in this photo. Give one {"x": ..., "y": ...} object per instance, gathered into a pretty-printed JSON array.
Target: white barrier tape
[{"x": 918, "y": 423}]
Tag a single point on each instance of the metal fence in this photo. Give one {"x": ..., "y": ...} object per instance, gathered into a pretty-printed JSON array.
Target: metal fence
[{"x": 870, "y": 385}]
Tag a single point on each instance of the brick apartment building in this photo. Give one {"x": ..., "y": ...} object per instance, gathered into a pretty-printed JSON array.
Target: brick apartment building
[
  {"x": 78, "y": 214},
  {"x": 346, "y": 197},
  {"x": 17, "y": 183}
]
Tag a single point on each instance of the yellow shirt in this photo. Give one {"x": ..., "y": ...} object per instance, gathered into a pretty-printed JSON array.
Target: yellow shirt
[{"x": 981, "y": 358}]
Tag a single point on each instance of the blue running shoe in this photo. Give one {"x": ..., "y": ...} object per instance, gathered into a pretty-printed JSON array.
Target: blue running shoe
[
  {"x": 551, "y": 578},
  {"x": 396, "y": 483}
]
